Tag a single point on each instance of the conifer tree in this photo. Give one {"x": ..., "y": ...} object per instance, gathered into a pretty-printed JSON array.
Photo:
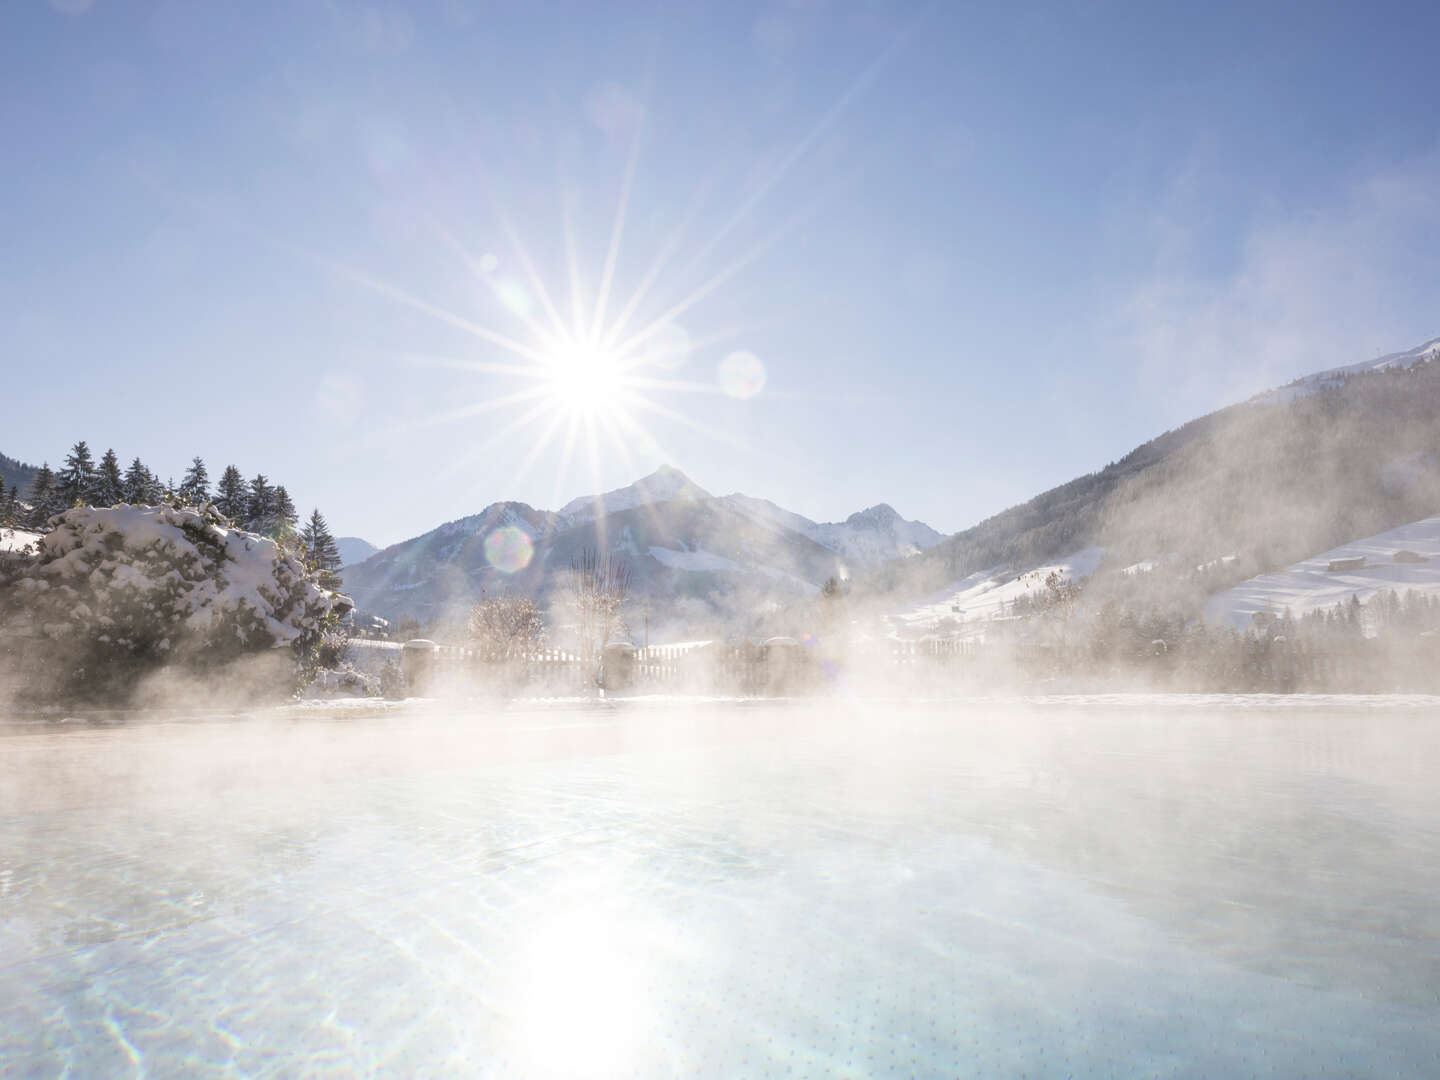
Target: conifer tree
[
  {"x": 321, "y": 552},
  {"x": 285, "y": 510},
  {"x": 109, "y": 484},
  {"x": 76, "y": 482},
  {"x": 154, "y": 489},
  {"x": 232, "y": 496},
  {"x": 10, "y": 517},
  {"x": 195, "y": 488},
  {"x": 260, "y": 513},
  {"x": 43, "y": 500},
  {"x": 136, "y": 483}
]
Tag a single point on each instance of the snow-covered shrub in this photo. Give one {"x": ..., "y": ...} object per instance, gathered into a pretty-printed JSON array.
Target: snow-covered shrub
[
  {"x": 392, "y": 680},
  {"x": 113, "y": 594},
  {"x": 343, "y": 682}
]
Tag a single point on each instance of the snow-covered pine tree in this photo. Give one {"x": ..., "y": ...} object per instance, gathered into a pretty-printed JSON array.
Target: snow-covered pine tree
[
  {"x": 322, "y": 554},
  {"x": 10, "y": 517},
  {"x": 43, "y": 501},
  {"x": 195, "y": 488},
  {"x": 154, "y": 490},
  {"x": 285, "y": 507},
  {"x": 76, "y": 483},
  {"x": 137, "y": 480},
  {"x": 260, "y": 508},
  {"x": 109, "y": 484},
  {"x": 232, "y": 497},
  {"x": 127, "y": 592}
]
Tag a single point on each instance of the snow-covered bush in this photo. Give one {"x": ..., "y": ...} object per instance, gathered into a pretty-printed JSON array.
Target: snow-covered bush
[
  {"x": 113, "y": 594},
  {"x": 344, "y": 681}
]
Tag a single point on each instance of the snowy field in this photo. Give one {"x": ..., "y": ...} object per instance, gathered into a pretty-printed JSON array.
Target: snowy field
[
  {"x": 1047, "y": 887},
  {"x": 991, "y": 593},
  {"x": 1312, "y": 585}
]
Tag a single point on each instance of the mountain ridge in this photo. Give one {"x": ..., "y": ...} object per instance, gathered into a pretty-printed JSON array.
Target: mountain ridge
[
  {"x": 708, "y": 557},
  {"x": 1250, "y": 488}
]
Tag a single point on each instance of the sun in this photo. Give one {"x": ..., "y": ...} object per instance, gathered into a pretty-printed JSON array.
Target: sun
[
  {"x": 591, "y": 380},
  {"x": 585, "y": 380}
]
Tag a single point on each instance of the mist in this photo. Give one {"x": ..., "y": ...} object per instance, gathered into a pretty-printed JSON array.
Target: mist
[
  {"x": 657, "y": 887},
  {"x": 631, "y": 709}
]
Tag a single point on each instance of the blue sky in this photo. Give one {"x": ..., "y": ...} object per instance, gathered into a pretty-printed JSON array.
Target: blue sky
[{"x": 977, "y": 249}]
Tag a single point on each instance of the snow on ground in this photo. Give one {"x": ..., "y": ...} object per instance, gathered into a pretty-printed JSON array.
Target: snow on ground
[
  {"x": 1223, "y": 560},
  {"x": 990, "y": 593},
  {"x": 15, "y": 539},
  {"x": 1311, "y": 585}
]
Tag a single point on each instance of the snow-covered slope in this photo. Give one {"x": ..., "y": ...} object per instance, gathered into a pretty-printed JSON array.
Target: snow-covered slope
[
  {"x": 1312, "y": 584},
  {"x": 354, "y": 550},
  {"x": 991, "y": 593},
  {"x": 1324, "y": 380}
]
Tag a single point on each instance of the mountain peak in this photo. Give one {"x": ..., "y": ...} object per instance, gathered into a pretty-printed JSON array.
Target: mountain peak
[
  {"x": 665, "y": 484},
  {"x": 879, "y": 516}
]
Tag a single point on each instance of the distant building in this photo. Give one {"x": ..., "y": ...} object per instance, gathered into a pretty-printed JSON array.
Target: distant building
[{"x": 1340, "y": 565}]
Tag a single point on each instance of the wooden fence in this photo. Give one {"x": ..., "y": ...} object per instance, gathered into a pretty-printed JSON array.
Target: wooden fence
[
  {"x": 773, "y": 668},
  {"x": 783, "y": 667}
]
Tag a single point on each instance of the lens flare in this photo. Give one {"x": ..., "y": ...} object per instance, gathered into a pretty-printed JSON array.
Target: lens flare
[
  {"x": 509, "y": 549},
  {"x": 741, "y": 375},
  {"x": 515, "y": 296}
]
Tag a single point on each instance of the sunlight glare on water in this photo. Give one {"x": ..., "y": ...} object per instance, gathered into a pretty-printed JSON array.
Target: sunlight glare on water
[
  {"x": 1171, "y": 886},
  {"x": 579, "y": 1003}
]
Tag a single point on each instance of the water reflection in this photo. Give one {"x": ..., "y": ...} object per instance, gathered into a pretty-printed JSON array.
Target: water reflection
[{"x": 723, "y": 891}]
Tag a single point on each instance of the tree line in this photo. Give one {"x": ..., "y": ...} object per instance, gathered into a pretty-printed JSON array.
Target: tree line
[
  {"x": 256, "y": 505},
  {"x": 1386, "y": 643}
]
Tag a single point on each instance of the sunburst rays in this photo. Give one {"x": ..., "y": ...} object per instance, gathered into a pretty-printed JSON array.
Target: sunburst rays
[{"x": 590, "y": 376}]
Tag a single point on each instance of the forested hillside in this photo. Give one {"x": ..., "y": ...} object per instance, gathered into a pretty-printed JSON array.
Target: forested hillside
[
  {"x": 16, "y": 474},
  {"x": 1268, "y": 481}
]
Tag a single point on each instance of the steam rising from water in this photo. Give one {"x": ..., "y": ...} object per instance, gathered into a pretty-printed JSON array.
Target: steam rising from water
[{"x": 722, "y": 889}]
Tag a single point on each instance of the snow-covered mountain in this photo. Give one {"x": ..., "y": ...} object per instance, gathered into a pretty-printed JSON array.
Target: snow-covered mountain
[
  {"x": 695, "y": 559},
  {"x": 866, "y": 538},
  {"x": 666, "y": 484},
  {"x": 353, "y": 549},
  {"x": 1333, "y": 377}
]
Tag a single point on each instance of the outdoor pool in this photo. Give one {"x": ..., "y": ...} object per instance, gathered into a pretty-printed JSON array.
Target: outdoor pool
[{"x": 1148, "y": 886}]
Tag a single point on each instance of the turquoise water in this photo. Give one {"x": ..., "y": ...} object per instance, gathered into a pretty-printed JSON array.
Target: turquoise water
[{"x": 1155, "y": 887}]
